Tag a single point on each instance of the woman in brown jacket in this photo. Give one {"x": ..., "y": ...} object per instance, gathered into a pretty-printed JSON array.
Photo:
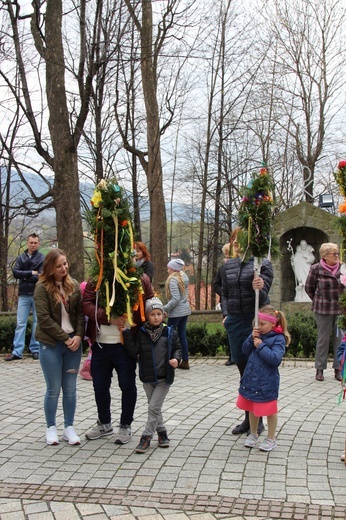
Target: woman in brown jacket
[{"x": 60, "y": 328}]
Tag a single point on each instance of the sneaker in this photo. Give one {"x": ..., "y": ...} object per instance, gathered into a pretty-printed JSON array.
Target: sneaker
[
  {"x": 51, "y": 436},
  {"x": 99, "y": 430},
  {"x": 343, "y": 457},
  {"x": 268, "y": 444},
  {"x": 163, "y": 439},
  {"x": 144, "y": 444},
  {"x": 70, "y": 436},
  {"x": 251, "y": 441},
  {"x": 124, "y": 434}
]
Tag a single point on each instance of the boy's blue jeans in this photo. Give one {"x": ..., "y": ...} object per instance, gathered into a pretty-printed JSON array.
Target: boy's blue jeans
[{"x": 60, "y": 369}]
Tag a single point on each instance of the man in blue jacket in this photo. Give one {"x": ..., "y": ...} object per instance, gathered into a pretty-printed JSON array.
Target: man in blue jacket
[{"x": 26, "y": 269}]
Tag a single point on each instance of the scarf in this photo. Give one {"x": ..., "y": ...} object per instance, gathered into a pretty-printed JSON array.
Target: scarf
[
  {"x": 154, "y": 332},
  {"x": 333, "y": 269},
  {"x": 140, "y": 262}
]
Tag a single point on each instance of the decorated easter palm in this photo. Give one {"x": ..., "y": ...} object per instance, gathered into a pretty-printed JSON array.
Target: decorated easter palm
[
  {"x": 256, "y": 219},
  {"x": 114, "y": 274},
  {"x": 340, "y": 177}
]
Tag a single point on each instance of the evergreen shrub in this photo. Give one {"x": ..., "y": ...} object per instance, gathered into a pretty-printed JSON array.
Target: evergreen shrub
[
  {"x": 303, "y": 330},
  {"x": 204, "y": 343},
  {"x": 7, "y": 328}
]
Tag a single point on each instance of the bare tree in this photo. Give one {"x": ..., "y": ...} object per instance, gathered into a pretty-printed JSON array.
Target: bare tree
[
  {"x": 66, "y": 121},
  {"x": 310, "y": 54},
  {"x": 151, "y": 49}
]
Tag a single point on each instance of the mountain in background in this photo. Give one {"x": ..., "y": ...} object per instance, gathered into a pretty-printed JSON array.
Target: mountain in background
[{"x": 20, "y": 193}]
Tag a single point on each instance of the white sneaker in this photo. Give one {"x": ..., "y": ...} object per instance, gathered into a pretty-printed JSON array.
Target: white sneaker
[
  {"x": 51, "y": 436},
  {"x": 251, "y": 441},
  {"x": 70, "y": 435}
]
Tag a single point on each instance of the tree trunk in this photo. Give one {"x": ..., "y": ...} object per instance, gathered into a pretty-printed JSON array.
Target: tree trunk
[
  {"x": 158, "y": 219},
  {"x": 65, "y": 165}
]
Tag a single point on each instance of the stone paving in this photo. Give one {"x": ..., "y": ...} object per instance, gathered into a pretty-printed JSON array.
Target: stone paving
[{"x": 206, "y": 473}]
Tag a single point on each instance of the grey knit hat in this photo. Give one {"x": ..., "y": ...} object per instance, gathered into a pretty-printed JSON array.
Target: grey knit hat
[{"x": 153, "y": 303}]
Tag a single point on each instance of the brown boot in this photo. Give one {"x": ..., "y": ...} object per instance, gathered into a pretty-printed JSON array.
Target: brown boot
[
  {"x": 184, "y": 365},
  {"x": 319, "y": 375},
  {"x": 144, "y": 444},
  {"x": 337, "y": 374}
]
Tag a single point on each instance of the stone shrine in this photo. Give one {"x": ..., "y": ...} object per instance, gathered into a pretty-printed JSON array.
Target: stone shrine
[{"x": 296, "y": 225}]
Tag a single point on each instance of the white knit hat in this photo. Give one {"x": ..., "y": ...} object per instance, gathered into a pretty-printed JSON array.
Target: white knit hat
[{"x": 176, "y": 265}]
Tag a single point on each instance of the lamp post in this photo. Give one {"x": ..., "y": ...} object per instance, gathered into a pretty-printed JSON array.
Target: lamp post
[{"x": 326, "y": 201}]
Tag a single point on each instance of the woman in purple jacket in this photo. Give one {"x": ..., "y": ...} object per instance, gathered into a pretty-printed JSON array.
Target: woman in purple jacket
[{"x": 324, "y": 287}]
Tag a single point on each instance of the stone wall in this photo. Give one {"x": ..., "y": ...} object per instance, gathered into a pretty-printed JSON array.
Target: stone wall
[{"x": 303, "y": 221}]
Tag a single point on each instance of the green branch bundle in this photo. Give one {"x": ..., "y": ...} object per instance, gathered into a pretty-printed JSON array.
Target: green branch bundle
[{"x": 256, "y": 218}]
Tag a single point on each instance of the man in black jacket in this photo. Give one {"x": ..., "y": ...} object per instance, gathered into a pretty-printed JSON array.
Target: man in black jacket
[
  {"x": 217, "y": 286},
  {"x": 26, "y": 269}
]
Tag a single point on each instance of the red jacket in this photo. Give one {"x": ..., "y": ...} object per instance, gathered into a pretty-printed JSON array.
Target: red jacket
[{"x": 97, "y": 315}]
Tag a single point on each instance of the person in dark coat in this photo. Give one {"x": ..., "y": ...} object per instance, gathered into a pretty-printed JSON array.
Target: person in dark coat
[
  {"x": 159, "y": 351},
  {"x": 143, "y": 261},
  {"x": 108, "y": 354},
  {"x": 217, "y": 286},
  {"x": 26, "y": 269},
  {"x": 238, "y": 306},
  {"x": 324, "y": 287}
]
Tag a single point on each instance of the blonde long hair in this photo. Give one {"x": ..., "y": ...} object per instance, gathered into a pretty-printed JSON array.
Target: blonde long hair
[
  {"x": 48, "y": 279},
  {"x": 181, "y": 283}
]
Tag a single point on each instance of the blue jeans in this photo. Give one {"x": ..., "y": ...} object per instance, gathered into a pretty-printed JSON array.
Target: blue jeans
[
  {"x": 60, "y": 369},
  {"x": 179, "y": 324},
  {"x": 25, "y": 305},
  {"x": 105, "y": 358}
]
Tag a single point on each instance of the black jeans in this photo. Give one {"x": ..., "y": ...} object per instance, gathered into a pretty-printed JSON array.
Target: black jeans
[{"x": 105, "y": 358}]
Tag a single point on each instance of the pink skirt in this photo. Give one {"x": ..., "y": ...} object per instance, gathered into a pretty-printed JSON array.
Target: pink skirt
[{"x": 258, "y": 409}]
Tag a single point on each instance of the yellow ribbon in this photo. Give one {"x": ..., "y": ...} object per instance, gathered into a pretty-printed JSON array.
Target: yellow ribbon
[
  {"x": 129, "y": 311},
  {"x": 249, "y": 231},
  {"x": 115, "y": 258},
  {"x": 108, "y": 307},
  {"x": 131, "y": 234}
]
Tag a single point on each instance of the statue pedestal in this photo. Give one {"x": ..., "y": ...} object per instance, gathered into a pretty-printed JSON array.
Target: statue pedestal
[{"x": 301, "y": 295}]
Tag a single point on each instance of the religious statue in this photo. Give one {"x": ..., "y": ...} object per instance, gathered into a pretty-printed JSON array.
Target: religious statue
[{"x": 301, "y": 262}]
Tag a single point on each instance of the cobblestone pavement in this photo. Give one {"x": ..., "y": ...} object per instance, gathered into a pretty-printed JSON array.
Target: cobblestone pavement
[{"x": 206, "y": 473}]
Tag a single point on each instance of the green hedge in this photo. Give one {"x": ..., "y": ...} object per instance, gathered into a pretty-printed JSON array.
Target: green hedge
[
  {"x": 303, "y": 332},
  {"x": 208, "y": 340},
  {"x": 204, "y": 339},
  {"x": 7, "y": 328}
]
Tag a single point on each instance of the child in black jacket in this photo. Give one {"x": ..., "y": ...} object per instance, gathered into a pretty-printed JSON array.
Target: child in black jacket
[{"x": 159, "y": 351}]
